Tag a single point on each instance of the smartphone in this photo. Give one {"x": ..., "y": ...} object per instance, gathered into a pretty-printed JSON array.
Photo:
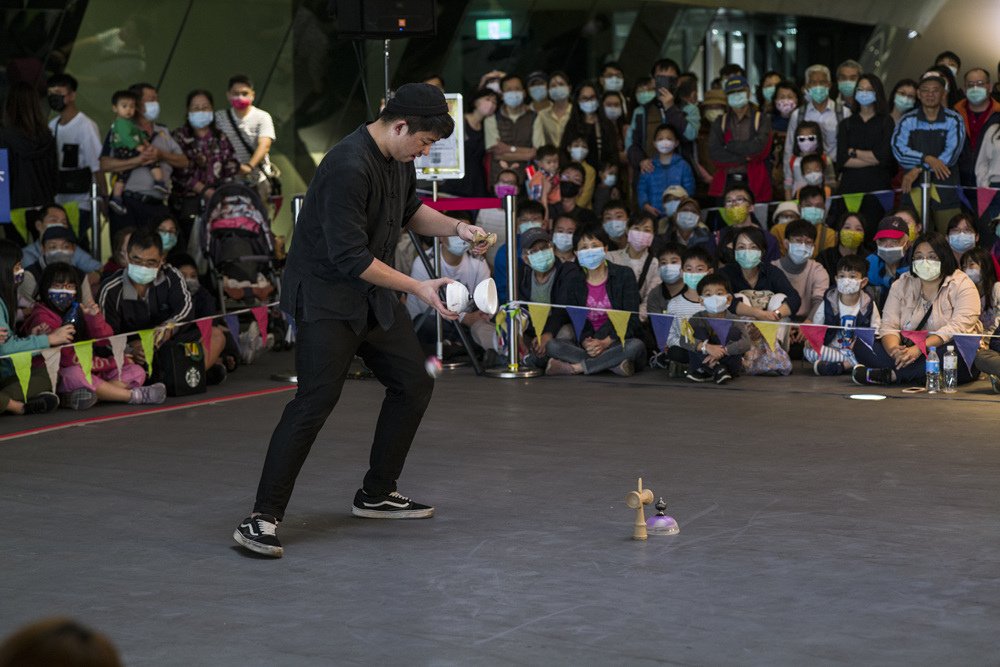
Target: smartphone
[
  {"x": 664, "y": 81},
  {"x": 914, "y": 390}
]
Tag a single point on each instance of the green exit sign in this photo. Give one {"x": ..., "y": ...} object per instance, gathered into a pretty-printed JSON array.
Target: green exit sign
[{"x": 487, "y": 29}]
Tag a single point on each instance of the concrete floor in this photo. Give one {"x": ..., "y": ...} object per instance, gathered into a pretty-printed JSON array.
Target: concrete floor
[{"x": 815, "y": 530}]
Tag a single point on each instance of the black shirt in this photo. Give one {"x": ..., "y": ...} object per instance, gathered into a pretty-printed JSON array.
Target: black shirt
[
  {"x": 873, "y": 135},
  {"x": 353, "y": 213}
]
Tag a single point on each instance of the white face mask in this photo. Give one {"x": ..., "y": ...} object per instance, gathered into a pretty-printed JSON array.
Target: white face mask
[
  {"x": 670, "y": 273},
  {"x": 927, "y": 269},
  {"x": 848, "y": 285},
  {"x": 715, "y": 304},
  {"x": 665, "y": 146},
  {"x": 687, "y": 220},
  {"x": 578, "y": 153},
  {"x": 457, "y": 246},
  {"x": 563, "y": 241},
  {"x": 814, "y": 177}
]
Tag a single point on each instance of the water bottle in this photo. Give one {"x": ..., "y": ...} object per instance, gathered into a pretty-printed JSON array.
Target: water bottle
[
  {"x": 933, "y": 366},
  {"x": 72, "y": 315},
  {"x": 950, "y": 370}
]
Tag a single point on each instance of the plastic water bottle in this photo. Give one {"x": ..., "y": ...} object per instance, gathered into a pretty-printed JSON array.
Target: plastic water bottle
[
  {"x": 933, "y": 366},
  {"x": 950, "y": 370}
]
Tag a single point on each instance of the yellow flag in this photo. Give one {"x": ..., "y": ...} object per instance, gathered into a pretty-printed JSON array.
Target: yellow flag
[
  {"x": 85, "y": 355},
  {"x": 147, "y": 347},
  {"x": 501, "y": 321},
  {"x": 915, "y": 198},
  {"x": 19, "y": 218},
  {"x": 539, "y": 315},
  {"x": 853, "y": 201},
  {"x": 769, "y": 330},
  {"x": 619, "y": 320},
  {"x": 73, "y": 215},
  {"x": 934, "y": 194},
  {"x": 687, "y": 331},
  {"x": 22, "y": 367}
]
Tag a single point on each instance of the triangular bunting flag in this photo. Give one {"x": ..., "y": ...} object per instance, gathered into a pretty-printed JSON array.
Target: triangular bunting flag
[
  {"x": 919, "y": 338},
  {"x": 619, "y": 320},
  {"x": 814, "y": 334},
  {"x": 769, "y": 330},
  {"x": 539, "y": 314},
  {"x": 85, "y": 355},
  {"x": 915, "y": 197},
  {"x": 260, "y": 314},
  {"x": 118, "y": 352},
  {"x": 760, "y": 211},
  {"x": 853, "y": 201},
  {"x": 934, "y": 194},
  {"x": 887, "y": 199},
  {"x": 148, "y": 348},
  {"x": 72, "y": 209},
  {"x": 578, "y": 316},
  {"x": 291, "y": 322},
  {"x": 721, "y": 328},
  {"x": 661, "y": 328},
  {"x": 964, "y": 198},
  {"x": 205, "y": 329},
  {"x": 19, "y": 218},
  {"x": 687, "y": 331},
  {"x": 984, "y": 197},
  {"x": 22, "y": 367},
  {"x": 866, "y": 336},
  {"x": 501, "y": 322},
  {"x": 52, "y": 357},
  {"x": 967, "y": 347},
  {"x": 233, "y": 322}
]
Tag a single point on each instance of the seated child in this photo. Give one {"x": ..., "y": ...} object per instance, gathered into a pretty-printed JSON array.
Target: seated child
[
  {"x": 847, "y": 305},
  {"x": 668, "y": 257},
  {"x": 696, "y": 263},
  {"x": 709, "y": 358},
  {"x": 609, "y": 185},
  {"x": 126, "y": 140}
]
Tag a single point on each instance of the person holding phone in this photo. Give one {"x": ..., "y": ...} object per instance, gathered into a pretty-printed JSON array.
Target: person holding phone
[{"x": 661, "y": 109}]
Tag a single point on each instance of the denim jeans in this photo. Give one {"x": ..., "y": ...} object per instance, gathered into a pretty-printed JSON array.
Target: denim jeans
[{"x": 570, "y": 352}]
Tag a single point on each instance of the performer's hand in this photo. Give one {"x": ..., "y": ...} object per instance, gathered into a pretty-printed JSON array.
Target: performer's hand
[
  {"x": 428, "y": 293},
  {"x": 469, "y": 233}
]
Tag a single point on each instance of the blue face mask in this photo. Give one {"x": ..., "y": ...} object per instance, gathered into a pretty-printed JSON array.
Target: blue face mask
[
  {"x": 590, "y": 258},
  {"x": 644, "y": 97},
  {"x": 768, "y": 93},
  {"x": 865, "y": 97},
  {"x": 513, "y": 98},
  {"x": 200, "y": 119},
  {"x": 961, "y": 241},
  {"x": 976, "y": 94},
  {"x": 819, "y": 94},
  {"x": 525, "y": 226},
  {"x": 691, "y": 280},
  {"x": 563, "y": 241},
  {"x": 62, "y": 299},
  {"x": 542, "y": 260},
  {"x": 748, "y": 259},
  {"x": 671, "y": 206},
  {"x": 669, "y": 273},
  {"x": 169, "y": 240},
  {"x": 457, "y": 246},
  {"x": 141, "y": 275},
  {"x": 847, "y": 88},
  {"x": 799, "y": 252},
  {"x": 615, "y": 228},
  {"x": 538, "y": 93},
  {"x": 813, "y": 214},
  {"x": 738, "y": 100},
  {"x": 904, "y": 103}
]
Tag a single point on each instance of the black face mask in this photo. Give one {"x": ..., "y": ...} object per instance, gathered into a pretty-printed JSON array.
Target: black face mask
[
  {"x": 568, "y": 190},
  {"x": 57, "y": 102}
]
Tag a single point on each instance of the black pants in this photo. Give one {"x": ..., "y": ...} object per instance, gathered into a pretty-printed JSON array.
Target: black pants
[
  {"x": 915, "y": 373},
  {"x": 323, "y": 354}
]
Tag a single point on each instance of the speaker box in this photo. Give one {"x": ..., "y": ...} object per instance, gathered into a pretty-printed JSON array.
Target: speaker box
[{"x": 384, "y": 19}]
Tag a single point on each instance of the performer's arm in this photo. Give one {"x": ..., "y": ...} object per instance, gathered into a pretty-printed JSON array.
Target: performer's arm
[
  {"x": 381, "y": 274},
  {"x": 429, "y": 222}
]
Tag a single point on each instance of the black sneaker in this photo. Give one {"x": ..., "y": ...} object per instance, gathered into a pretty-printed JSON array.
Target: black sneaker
[
  {"x": 867, "y": 376},
  {"x": 256, "y": 533},
  {"x": 699, "y": 375},
  {"x": 828, "y": 368},
  {"x": 215, "y": 375},
  {"x": 722, "y": 375},
  {"x": 42, "y": 403},
  {"x": 390, "y": 506}
]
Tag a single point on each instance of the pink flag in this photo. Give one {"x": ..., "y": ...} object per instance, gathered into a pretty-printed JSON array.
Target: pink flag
[
  {"x": 814, "y": 334},
  {"x": 984, "y": 197},
  {"x": 260, "y": 314},
  {"x": 919, "y": 338},
  {"x": 205, "y": 327}
]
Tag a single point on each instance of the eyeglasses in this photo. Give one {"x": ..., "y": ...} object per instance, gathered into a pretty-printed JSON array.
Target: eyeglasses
[
  {"x": 736, "y": 201},
  {"x": 148, "y": 263}
]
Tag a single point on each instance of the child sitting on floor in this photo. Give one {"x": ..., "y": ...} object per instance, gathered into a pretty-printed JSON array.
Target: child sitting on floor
[{"x": 710, "y": 358}]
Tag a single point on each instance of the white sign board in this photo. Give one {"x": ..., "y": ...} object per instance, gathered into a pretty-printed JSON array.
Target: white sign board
[{"x": 446, "y": 161}]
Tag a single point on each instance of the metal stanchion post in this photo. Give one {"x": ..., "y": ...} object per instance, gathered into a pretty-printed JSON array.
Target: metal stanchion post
[
  {"x": 925, "y": 190},
  {"x": 291, "y": 377},
  {"x": 95, "y": 222},
  {"x": 513, "y": 369}
]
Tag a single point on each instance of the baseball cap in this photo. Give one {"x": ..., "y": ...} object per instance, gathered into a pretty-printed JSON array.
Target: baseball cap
[
  {"x": 735, "y": 83},
  {"x": 537, "y": 75},
  {"x": 892, "y": 227},
  {"x": 533, "y": 236},
  {"x": 677, "y": 191},
  {"x": 55, "y": 232}
]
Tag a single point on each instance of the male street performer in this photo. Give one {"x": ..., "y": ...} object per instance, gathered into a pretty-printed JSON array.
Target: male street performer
[{"x": 341, "y": 287}]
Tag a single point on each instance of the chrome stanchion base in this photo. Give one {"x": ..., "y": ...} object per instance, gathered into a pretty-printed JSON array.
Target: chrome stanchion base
[
  {"x": 452, "y": 365},
  {"x": 512, "y": 373}
]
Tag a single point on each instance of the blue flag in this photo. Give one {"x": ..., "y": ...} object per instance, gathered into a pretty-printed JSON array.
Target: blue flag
[
  {"x": 579, "y": 318},
  {"x": 661, "y": 327},
  {"x": 4, "y": 187}
]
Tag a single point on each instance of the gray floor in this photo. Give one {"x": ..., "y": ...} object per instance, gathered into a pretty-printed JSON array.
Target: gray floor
[{"x": 815, "y": 530}]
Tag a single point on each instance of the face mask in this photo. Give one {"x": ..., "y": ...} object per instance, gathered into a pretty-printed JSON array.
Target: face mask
[
  {"x": 610, "y": 180},
  {"x": 588, "y": 106},
  {"x": 687, "y": 220},
  {"x": 141, "y": 275},
  {"x": 568, "y": 189},
  {"x": 669, "y": 273},
  {"x": 505, "y": 190},
  {"x": 240, "y": 102},
  {"x": 525, "y": 226},
  {"x": 542, "y": 261},
  {"x": 691, "y": 280},
  {"x": 19, "y": 277},
  {"x": 715, "y": 304},
  {"x": 768, "y": 93},
  {"x": 748, "y": 259},
  {"x": 799, "y": 252},
  {"x": 807, "y": 143},
  {"x": 54, "y": 256},
  {"x": 614, "y": 84},
  {"x": 692, "y": 113},
  {"x": 558, "y": 93},
  {"x": 612, "y": 113},
  {"x": 847, "y": 88},
  {"x": 169, "y": 240},
  {"x": 670, "y": 207},
  {"x": 953, "y": 70},
  {"x": 665, "y": 146},
  {"x": 57, "y": 102},
  {"x": 513, "y": 98},
  {"x": 578, "y": 153},
  {"x": 903, "y": 103},
  {"x": 738, "y": 100},
  {"x": 890, "y": 255},
  {"x": 615, "y": 228},
  {"x": 865, "y": 97},
  {"x": 819, "y": 94},
  {"x": 193, "y": 285},
  {"x": 974, "y": 275},
  {"x": 200, "y": 119},
  {"x": 457, "y": 246},
  {"x": 538, "y": 93},
  {"x": 639, "y": 240},
  {"x": 961, "y": 241},
  {"x": 590, "y": 258},
  {"x": 644, "y": 97},
  {"x": 851, "y": 239},
  {"x": 785, "y": 107},
  {"x": 813, "y": 177},
  {"x": 927, "y": 269},
  {"x": 976, "y": 94},
  {"x": 62, "y": 298},
  {"x": 736, "y": 215},
  {"x": 562, "y": 241},
  {"x": 713, "y": 115},
  {"x": 151, "y": 110},
  {"x": 848, "y": 285},
  {"x": 813, "y": 214}
]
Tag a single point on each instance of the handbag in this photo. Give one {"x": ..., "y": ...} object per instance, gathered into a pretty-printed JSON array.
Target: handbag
[
  {"x": 906, "y": 342},
  {"x": 180, "y": 367},
  {"x": 270, "y": 171}
]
